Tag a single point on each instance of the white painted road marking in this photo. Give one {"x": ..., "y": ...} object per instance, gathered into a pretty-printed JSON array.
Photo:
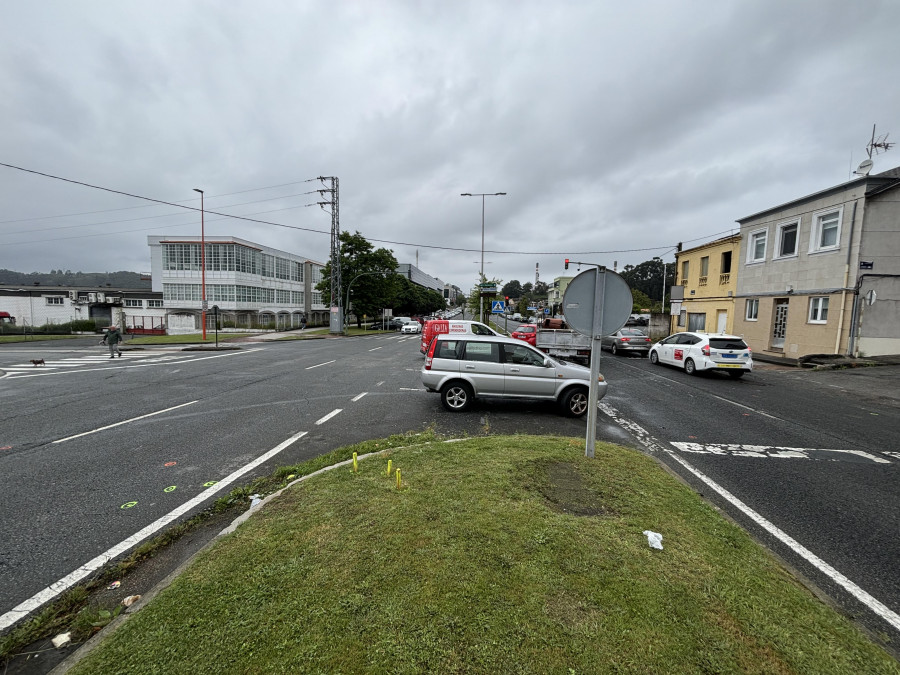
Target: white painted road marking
[
  {"x": 374, "y": 349},
  {"x": 118, "y": 365},
  {"x": 774, "y": 451},
  {"x": 871, "y": 602},
  {"x": 359, "y": 396},
  {"x": 23, "y": 609},
  {"x": 321, "y": 364},
  {"x": 133, "y": 419},
  {"x": 330, "y": 415}
]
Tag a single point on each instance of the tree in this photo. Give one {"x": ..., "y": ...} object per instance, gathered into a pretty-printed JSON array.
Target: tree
[
  {"x": 640, "y": 301},
  {"x": 370, "y": 274},
  {"x": 513, "y": 289},
  {"x": 648, "y": 277}
]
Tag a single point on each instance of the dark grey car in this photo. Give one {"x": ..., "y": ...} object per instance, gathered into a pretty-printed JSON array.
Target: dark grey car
[{"x": 627, "y": 341}]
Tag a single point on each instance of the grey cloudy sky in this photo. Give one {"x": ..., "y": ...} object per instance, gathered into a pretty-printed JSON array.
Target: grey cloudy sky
[{"x": 611, "y": 126}]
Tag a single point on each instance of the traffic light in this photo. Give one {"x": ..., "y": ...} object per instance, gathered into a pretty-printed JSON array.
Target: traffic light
[{"x": 567, "y": 263}]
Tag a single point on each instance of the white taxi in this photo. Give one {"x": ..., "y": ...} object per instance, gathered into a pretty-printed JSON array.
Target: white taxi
[{"x": 697, "y": 352}]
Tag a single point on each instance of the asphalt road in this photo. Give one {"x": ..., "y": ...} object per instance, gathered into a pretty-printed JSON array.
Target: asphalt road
[{"x": 93, "y": 451}]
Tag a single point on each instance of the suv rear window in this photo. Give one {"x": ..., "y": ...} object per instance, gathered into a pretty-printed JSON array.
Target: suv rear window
[
  {"x": 727, "y": 343},
  {"x": 482, "y": 351},
  {"x": 447, "y": 349}
]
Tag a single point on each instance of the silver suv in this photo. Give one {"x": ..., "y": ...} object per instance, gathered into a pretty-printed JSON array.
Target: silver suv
[{"x": 465, "y": 367}]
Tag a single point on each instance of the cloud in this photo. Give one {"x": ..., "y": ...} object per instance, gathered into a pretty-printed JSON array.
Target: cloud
[{"x": 611, "y": 127}]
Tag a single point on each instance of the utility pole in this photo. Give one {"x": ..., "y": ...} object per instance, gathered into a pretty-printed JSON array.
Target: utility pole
[{"x": 336, "y": 319}]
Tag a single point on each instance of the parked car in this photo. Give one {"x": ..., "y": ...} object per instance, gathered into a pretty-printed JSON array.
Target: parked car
[
  {"x": 465, "y": 367},
  {"x": 411, "y": 327},
  {"x": 627, "y": 341},
  {"x": 696, "y": 352},
  {"x": 526, "y": 332}
]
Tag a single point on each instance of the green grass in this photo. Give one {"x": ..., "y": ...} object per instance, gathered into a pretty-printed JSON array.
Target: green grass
[
  {"x": 498, "y": 555},
  {"x": 35, "y": 338}
]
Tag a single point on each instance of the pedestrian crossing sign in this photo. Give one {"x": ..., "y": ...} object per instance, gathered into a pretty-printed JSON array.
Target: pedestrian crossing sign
[{"x": 498, "y": 306}]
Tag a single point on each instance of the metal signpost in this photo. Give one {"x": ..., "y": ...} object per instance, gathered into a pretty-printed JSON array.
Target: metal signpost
[{"x": 597, "y": 302}]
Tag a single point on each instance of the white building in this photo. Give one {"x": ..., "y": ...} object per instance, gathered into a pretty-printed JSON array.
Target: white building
[
  {"x": 252, "y": 285},
  {"x": 136, "y": 310}
]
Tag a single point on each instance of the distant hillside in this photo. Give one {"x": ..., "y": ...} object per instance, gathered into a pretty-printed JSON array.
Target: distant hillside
[{"x": 70, "y": 278}]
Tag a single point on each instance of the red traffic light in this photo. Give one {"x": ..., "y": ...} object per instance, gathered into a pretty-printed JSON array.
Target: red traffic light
[{"x": 567, "y": 263}]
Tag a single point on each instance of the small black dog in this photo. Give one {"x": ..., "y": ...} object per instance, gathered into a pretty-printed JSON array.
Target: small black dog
[{"x": 37, "y": 362}]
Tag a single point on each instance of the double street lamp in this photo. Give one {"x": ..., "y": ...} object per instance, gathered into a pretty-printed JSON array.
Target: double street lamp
[
  {"x": 482, "y": 195},
  {"x": 203, "y": 269}
]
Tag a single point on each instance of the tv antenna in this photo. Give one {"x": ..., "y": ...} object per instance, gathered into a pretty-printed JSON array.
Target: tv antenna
[{"x": 878, "y": 145}]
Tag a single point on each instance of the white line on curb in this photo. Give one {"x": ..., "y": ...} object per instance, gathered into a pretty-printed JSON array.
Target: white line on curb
[{"x": 49, "y": 593}]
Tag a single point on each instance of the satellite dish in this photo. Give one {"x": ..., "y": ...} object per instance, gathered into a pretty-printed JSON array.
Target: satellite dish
[{"x": 864, "y": 167}]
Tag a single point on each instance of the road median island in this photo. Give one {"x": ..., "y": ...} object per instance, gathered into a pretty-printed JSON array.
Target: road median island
[{"x": 493, "y": 554}]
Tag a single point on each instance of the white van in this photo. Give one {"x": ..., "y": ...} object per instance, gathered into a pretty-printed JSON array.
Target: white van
[{"x": 436, "y": 327}]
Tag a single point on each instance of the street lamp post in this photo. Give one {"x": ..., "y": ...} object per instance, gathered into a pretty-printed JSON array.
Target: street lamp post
[
  {"x": 482, "y": 195},
  {"x": 202, "y": 268}
]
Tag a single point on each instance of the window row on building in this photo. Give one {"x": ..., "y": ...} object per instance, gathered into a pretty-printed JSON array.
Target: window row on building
[
  {"x": 782, "y": 239},
  {"x": 233, "y": 293},
  {"x": 229, "y": 257}
]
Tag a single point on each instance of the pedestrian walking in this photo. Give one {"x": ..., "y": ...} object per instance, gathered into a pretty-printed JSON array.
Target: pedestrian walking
[{"x": 112, "y": 338}]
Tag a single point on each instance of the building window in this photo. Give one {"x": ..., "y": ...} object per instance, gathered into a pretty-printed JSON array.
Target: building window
[
  {"x": 55, "y": 300},
  {"x": 685, "y": 268},
  {"x": 704, "y": 270},
  {"x": 131, "y": 302},
  {"x": 818, "y": 310},
  {"x": 752, "y": 309},
  {"x": 682, "y": 315},
  {"x": 696, "y": 321},
  {"x": 826, "y": 233},
  {"x": 155, "y": 303},
  {"x": 787, "y": 239},
  {"x": 756, "y": 251}
]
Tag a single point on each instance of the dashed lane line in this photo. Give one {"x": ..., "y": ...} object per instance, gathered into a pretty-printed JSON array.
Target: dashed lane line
[
  {"x": 128, "y": 421},
  {"x": 327, "y": 417}
]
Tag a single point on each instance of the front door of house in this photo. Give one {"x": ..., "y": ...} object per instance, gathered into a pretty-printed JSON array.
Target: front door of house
[
  {"x": 721, "y": 321},
  {"x": 779, "y": 324}
]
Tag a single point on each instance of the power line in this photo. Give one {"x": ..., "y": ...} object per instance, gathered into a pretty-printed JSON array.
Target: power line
[
  {"x": 308, "y": 229},
  {"x": 131, "y": 208}
]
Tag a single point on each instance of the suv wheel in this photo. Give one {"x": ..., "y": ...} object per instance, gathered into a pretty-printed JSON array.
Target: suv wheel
[
  {"x": 456, "y": 396},
  {"x": 575, "y": 402},
  {"x": 689, "y": 367}
]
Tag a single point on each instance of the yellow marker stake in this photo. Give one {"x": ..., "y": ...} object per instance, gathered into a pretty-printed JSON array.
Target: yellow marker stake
[
  {"x": 354, "y": 463},
  {"x": 389, "y": 468},
  {"x": 398, "y": 479}
]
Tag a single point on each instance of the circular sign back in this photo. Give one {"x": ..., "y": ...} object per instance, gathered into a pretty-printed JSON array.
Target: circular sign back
[{"x": 593, "y": 316}]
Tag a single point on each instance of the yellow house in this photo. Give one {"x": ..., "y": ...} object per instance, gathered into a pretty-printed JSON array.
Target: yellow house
[{"x": 708, "y": 274}]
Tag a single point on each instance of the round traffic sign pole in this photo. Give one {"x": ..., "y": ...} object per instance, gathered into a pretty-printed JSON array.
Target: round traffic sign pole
[{"x": 597, "y": 302}]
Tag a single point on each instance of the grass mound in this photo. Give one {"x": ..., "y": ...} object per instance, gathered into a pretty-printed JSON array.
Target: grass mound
[{"x": 500, "y": 554}]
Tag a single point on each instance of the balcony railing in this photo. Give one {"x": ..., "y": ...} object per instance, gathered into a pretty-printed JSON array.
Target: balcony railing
[
  {"x": 702, "y": 281},
  {"x": 724, "y": 278}
]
